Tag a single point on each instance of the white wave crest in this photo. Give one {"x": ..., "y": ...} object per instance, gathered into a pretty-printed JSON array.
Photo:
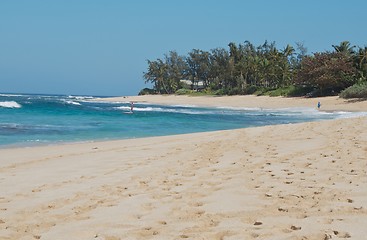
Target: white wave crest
[
  {"x": 166, "y": 110},
  {"x": 351, "y": 114},
  {"x": 11, "y": 95},
  {"x": 80, "y": 97},
  {"x": 72, "y": 102},
  {"x": 10, "y": 104},
  {"x": 147, "y": 109},
  {"x": 241, "y": 108}
]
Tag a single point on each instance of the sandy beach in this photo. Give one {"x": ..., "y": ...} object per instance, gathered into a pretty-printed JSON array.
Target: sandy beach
[
  {"x": 294, "y": 181},
  {"x": 250, "y": 101}
]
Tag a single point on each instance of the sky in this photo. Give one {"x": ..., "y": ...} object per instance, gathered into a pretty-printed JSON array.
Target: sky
[{"x": 101, "y": 47}]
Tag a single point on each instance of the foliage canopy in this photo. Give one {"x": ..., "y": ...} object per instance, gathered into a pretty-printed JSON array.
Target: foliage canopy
[{"x": 247, "y": 69}]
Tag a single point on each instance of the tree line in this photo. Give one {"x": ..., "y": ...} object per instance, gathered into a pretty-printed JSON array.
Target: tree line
[{"x": 246, "y": 69}]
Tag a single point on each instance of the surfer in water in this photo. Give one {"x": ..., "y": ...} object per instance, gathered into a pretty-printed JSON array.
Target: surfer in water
[{"x": 131, "y": 107}]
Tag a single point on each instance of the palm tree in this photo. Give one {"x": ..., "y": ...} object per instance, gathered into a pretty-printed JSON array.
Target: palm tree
[
  {"x": 156, "y": 74},
  {"x": 218, "y": 66},
  {"x": 361, "y": 62},
  {"x": 198, "y": 66},
  {"x": 286, "y": 64},
  {"x": 288, "y": 50},
  {"x": 344, "y": 47},
  {"x": 175, "y": 71}
]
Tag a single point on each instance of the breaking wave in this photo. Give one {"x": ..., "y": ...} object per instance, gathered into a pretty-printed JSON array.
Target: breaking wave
[
  {"x": 72, "y": 102},
  {"x": 10, "y": 104}
]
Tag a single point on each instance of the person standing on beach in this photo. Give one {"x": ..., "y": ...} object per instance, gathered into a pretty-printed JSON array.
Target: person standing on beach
[{"x": 318, "y": 105}]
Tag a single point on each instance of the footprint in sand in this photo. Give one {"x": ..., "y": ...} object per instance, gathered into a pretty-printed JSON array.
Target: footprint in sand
[
  {"x": 197, "y": 204},
  {"x": 294, "y": 228},
  {"x": 111, "y": 238},
  {"x": 342, "y": 234},
  {"x": 254, "y": 235}
]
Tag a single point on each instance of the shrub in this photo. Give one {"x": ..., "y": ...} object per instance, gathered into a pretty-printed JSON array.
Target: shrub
[
  {"x": 147, "y": 91},
  {"x": 220, "y": 92},
  {"x": 251, "y": 89},
  {"x": 183, "y": 91},
  {"x": 234, "y": 91},
  {"x": 260, "y": 91},
  {"x": 290, "y": 91},
  {"x": 300, "y": 91},
  {"x": 358, "y": 90}
]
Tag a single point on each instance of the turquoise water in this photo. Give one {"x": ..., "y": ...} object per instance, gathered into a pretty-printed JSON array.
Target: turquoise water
[{"x": 46, "y": 119}]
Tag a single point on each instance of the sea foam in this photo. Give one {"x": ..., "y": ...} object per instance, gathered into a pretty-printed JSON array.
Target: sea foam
[
  {"x": 166, "y": 110},
  {"x": 10, "y": 104},
  {"x": 72, "y": 102}
]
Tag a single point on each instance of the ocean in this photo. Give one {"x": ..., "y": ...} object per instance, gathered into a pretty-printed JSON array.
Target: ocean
[{"x": 29, "y": 119}]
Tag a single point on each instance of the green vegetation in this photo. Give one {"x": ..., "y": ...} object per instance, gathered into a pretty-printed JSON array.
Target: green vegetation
[
  {"x": 358, "y": 90},
  {"x": 184, "y": 91},
  {"x": 147, "y": 91},
  {"x": 290, "y": 91},
  {"x": 260, "y": 70}
]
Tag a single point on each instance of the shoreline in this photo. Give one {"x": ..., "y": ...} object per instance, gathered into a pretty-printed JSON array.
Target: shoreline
[
  {"x": 251, "y": 101},
  {"x": 329, "y": 104},
  {"x": 292, "y": 181}
]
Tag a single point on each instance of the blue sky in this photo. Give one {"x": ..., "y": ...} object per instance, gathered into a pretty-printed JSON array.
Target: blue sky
[{"x": 91, "y": 47}]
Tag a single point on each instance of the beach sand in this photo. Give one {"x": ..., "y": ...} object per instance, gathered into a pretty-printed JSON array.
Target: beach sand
[
  {"x": 295, "y": 181},
  {"x": 250, "y": 101}
]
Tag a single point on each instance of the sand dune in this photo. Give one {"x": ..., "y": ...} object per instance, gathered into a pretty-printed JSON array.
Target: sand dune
[{"x": 295, "y": 181}]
